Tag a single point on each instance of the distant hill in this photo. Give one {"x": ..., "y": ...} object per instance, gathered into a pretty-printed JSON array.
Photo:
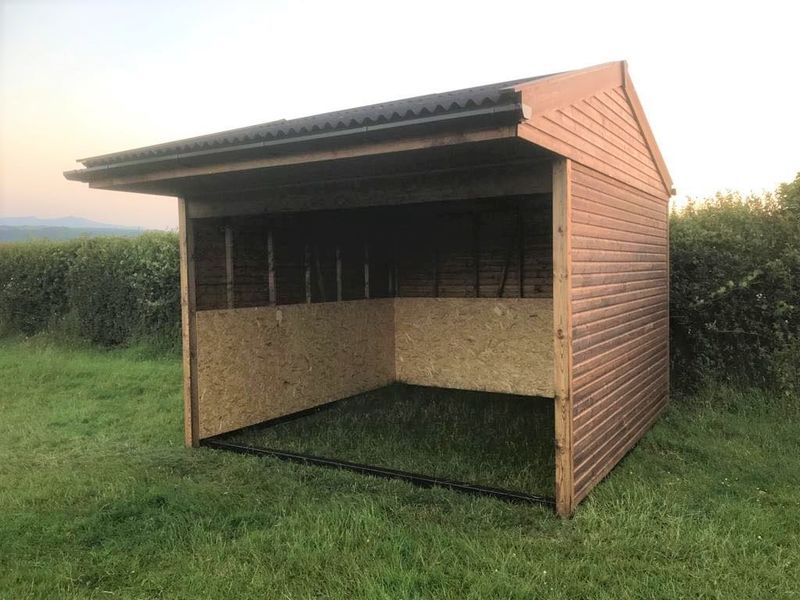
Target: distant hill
[
  {"x": 78, "y": 222},
  {"x": 18, "y": 229},
  {"x": 9, "y": 233}
]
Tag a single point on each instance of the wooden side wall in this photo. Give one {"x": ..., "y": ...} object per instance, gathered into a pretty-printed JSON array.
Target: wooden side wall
[
  {"x": 255, "y": 364},
  {"x": 485, "y": 344},
  {"x": 619, "y": 319}
]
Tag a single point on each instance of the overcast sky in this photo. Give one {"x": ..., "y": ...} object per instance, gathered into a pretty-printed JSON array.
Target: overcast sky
[{"x": 718, "y": 80}]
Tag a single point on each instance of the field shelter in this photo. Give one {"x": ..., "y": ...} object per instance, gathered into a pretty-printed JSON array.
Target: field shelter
[{"x": 504, "y": 238}]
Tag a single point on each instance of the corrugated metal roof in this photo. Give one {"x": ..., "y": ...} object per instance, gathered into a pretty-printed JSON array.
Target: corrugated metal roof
[{"x": 487, "y": 97}]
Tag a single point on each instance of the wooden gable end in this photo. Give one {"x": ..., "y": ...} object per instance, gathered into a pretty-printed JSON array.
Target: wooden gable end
[{"x": 594, "y": 118}]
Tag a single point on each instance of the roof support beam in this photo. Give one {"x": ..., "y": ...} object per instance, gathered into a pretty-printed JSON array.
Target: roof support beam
[
  {"x": 175, "y": 170},
  {"x": 461, "y": 184}
]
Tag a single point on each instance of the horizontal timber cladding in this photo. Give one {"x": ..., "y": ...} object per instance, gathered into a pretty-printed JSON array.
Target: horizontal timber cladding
[
  {"x": 619, "y": 303},
  {"x": 259, "y": 363},
  {"x": 494, "y": 248},
  {"x": 601, "y": 131},
  {"x": 496, "y": 345}
]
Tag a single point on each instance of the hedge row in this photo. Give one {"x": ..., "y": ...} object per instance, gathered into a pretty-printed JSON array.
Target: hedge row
[
  {"x": 735, "y": 289},
  {"x": 105, "y": 290}
]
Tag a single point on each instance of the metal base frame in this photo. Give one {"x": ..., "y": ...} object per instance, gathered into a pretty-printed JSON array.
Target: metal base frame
[{"x": 220, "y": 442}]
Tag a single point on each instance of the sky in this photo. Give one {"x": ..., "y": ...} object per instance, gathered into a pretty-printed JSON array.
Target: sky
[{"x": 718, "y": 80}]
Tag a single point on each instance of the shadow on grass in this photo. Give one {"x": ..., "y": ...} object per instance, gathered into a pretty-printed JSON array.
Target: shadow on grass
[{"x": 494, "y": 440}]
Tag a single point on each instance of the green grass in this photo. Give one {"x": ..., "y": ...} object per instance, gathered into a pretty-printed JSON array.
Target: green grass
[
  {"x": 98, "y": 499},
  {"x": 495, "y": 440}
]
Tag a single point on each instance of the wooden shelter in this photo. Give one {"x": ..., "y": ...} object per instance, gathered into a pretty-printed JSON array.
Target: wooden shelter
[{"x": 506, "y": 238}]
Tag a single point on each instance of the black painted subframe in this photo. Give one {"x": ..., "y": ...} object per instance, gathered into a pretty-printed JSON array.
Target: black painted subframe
[{"x": 413, "y": 478}]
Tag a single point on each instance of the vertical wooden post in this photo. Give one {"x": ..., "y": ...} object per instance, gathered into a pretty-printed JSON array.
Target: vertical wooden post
[
  {"x": 272, "y": 291},
  {"x": 366, "y": 269},
  {"x": 390, "y": 266},
  {"x": 521, "y": 224},
  {"x": 476, "y": 251},
  {"x": 507, "y": 264},
  {"x": 395, "y": 267},
  {"x": 436, "y": 258},
  {"x": 562, "y": 334},
  {"x": 191, "y": 421},
  {"x": 229, "y": 265},
  {"x": 338, "y": 273},
  {"x": 307, "y": 266},
  {"x": 391, "y": 263},
  {"x": 320, "y": 277}
]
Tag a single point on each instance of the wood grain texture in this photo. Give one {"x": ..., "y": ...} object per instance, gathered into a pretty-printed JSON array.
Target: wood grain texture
[
  {"x": 562, "y": 335},
  {"x": 494, "y": 345},
  {"x": 633, "y": 97},
  {"x": 259, "y": 363},
  {"x": 188, "y": 330},
  {"x": 600, "y": 129},
  {"x": 565, "y": 88},
  {"x": 619, "y": 306}
]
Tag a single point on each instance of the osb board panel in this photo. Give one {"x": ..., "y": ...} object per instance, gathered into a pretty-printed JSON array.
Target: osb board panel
[
  {"x": 495, "y": 345},
  {"x": 620, "y": 310},
  {"x": 259, "y": 363}
]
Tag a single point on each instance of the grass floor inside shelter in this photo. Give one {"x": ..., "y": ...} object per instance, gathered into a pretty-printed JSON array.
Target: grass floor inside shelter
[
  {"x": 99, "y": 499},
  {"x": 493, "y": 440}
]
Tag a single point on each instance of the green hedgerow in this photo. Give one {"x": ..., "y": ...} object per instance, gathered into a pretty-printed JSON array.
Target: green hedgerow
[
  {"x": 33, "y": 288},
  {"x": 105, "y": 290},
  {"x": 735, "y": 289},
  {"x": 122, "y": 289}
]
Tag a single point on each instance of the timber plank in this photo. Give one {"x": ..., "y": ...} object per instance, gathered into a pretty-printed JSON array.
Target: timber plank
[{"x": 562, "y": 331}]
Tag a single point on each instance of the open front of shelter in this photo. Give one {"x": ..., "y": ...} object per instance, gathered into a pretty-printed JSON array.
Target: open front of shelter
[{"x": 510, "y": 238}]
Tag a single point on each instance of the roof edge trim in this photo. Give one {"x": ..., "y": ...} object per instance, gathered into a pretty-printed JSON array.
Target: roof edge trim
[
  {"x": 87, "y": 174},
  {"x": 641, "y": 118}
]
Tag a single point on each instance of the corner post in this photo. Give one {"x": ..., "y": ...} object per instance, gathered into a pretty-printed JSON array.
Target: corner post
[
  {"x": 188, "y": 330},
  {"x": 562, "y": 334}
]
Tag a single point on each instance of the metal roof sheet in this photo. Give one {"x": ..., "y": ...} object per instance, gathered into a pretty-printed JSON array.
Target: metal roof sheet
[{"x": 453, "y": 102}]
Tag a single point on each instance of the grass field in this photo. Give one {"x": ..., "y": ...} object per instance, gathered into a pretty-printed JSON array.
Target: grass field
[
  {"x": 495, "y": 440},
  {"x": 99, "y": 499}
]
